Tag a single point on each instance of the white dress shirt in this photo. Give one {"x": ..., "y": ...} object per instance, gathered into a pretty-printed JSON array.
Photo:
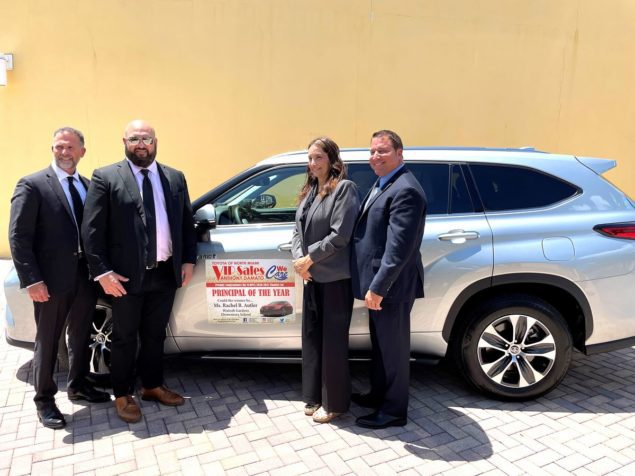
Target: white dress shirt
[{"x": 164, "y": 237}]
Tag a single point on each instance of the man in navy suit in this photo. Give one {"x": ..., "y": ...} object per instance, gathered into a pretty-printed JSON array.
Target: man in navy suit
[
  {"x": 387, "y": 274},
  {"x": 46, "y": 215}
]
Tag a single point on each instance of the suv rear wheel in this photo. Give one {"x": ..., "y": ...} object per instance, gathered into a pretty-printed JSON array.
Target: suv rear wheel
[{"x": 515, "y": 347}]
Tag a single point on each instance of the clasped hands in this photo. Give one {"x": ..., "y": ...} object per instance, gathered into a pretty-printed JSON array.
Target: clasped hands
[{"x": 302, "y": 265}]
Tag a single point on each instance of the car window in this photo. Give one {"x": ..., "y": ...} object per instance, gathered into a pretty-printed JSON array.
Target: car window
[
  {"x": 271, "y": 196},
  {"x": 460, "y": 199},
  {"x": 511, "y": 188},
  {"x": 363, "y": 176},
  {"x": 434, "y": 179},
  {"x": 267, "y": 197}
]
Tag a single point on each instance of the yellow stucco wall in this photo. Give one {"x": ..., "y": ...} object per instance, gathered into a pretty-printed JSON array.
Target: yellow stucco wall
[{"x": 229, "y": 82}]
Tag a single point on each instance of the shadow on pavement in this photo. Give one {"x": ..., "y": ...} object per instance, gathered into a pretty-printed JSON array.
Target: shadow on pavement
[{"x": 444, "y": 420}]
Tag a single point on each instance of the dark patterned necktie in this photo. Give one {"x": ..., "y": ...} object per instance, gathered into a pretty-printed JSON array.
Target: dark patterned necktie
[
  {"x": 78, "y": 205},
  {"x": 151, "y": 222}
]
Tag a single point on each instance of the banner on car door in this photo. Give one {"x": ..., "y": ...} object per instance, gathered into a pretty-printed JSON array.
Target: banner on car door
[{"x": 250, "y": 291}]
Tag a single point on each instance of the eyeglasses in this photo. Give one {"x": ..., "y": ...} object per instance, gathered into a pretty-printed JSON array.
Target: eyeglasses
[{"x": 135, "y": 140}]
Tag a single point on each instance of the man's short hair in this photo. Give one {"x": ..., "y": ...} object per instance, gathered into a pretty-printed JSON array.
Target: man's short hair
[
  {"x": 395, "y": 140},
  {"x": 70, "y": 130}
]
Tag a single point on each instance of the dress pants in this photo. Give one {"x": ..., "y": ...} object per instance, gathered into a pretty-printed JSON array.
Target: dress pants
[
  {"x": 390, "y": 367},
  {"x": 141, "y": 317},
  {"x": 75, "y": 307},
  {"x": 326, "y": 318}
]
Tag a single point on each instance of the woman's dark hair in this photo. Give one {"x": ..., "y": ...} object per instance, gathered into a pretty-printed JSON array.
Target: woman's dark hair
[{"x": 337, "y": 168}]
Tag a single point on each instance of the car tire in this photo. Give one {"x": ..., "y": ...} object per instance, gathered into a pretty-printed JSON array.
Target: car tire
[{"x": 523, "y": 368}]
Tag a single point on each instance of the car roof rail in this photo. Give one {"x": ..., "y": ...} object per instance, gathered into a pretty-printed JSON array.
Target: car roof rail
[{"x": 469, "y": 148}]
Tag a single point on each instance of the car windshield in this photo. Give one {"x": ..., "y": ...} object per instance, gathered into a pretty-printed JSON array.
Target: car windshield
[{"x": 266, "y": 182}]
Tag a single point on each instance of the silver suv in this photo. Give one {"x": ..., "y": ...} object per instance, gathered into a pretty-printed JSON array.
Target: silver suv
[{"x": 527, "y": 255}]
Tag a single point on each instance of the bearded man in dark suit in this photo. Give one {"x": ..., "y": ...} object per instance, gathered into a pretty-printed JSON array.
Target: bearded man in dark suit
[
  {"x": 387, "y": 273},
  {"x": 44, "y": 235},
  {"x": 141, "y": 246}
]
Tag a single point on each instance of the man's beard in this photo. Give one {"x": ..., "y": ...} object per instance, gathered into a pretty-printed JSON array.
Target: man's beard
[{"x": 141, "y": 161}]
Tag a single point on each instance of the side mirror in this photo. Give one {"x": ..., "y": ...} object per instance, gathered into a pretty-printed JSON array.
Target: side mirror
[
  {"x": 264, "y": 201},
  {"x": 205, "y": 217}
]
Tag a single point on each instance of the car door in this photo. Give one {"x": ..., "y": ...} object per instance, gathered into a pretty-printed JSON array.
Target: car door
[
  {"x": 456, "y": 251},
  {"x": 255, "y": 221}
]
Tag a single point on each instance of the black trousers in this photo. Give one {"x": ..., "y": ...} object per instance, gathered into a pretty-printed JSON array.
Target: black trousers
[
  {"x": 141, "y": 317},
  {"x": 390, "y": 367},
  {"x": 326, "y": 318},
  {"x": 75, "y": 308}
]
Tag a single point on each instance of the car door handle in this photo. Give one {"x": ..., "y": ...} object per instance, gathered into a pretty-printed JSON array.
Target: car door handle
[
  {"x": 285, "y": 247},
  {"x": 458, "y": 236}
]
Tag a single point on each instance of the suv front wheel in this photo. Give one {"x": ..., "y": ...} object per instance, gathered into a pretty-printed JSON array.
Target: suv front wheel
[
  {"x": 100, "y": 342},
  {"x": 515, "y": 347}
]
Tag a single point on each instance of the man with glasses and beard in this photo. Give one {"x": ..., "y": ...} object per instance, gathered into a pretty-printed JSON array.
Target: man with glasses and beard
[{"x": 140, "y": 244}]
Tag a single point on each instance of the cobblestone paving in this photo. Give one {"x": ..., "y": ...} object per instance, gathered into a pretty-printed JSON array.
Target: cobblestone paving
[{"x": 244, "y": 418}]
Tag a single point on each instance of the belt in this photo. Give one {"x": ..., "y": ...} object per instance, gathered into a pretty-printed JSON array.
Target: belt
[{"x": 157, "y": 264}]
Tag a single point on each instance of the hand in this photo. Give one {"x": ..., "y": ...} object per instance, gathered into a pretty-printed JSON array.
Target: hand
[
  {"x": 306, "y": 276},
  {"x": 187, "y": 271},
  {"x": 302, "y": 265},
  {"x": 111, "y": 283},
  {"x": 373, "y": 300},
  {"x": 39, "y": 292}
]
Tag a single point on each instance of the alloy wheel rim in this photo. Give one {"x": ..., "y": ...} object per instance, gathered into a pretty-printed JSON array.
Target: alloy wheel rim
[
  {"x": 100, "y": 341},
  {"x": 516, "y": 351}
]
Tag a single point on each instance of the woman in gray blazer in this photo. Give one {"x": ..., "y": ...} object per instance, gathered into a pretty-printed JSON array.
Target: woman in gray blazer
[{"x": 324, "y": 223}]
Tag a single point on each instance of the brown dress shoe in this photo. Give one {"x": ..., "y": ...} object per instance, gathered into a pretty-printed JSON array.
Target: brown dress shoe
[
  {"x": 162, "y": 395},
  {"x": 127, "y": 409}
]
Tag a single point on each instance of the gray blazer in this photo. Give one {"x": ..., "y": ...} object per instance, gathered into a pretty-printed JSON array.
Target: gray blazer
[{"x": 327, "y": 233}]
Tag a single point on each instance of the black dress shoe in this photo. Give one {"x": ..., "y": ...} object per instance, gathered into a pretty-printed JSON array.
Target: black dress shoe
[
  {"x": 51, "y": 417},
  {"x": 365, "y": 400},
  {"x": 88, "y": 393},
  {"x": 379, "y": 419}
]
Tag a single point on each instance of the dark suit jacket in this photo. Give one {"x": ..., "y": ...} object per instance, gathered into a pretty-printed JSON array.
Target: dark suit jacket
[
  {"x": 328, "y": 229},
  {"x": 386, "y": 240},
  {"x": 113, "y": 227},
  {"x": 42, "y": 232}
]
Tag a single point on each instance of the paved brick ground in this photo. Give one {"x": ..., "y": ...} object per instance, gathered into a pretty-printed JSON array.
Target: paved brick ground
[{"x": 247, "y": 419}]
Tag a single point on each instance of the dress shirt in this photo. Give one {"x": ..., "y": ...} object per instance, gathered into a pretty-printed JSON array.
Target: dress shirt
[
  {"x": 384, "y": 180},
  {"x": 164, "y": 237},
  {"x": 379, "y": 185}
]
